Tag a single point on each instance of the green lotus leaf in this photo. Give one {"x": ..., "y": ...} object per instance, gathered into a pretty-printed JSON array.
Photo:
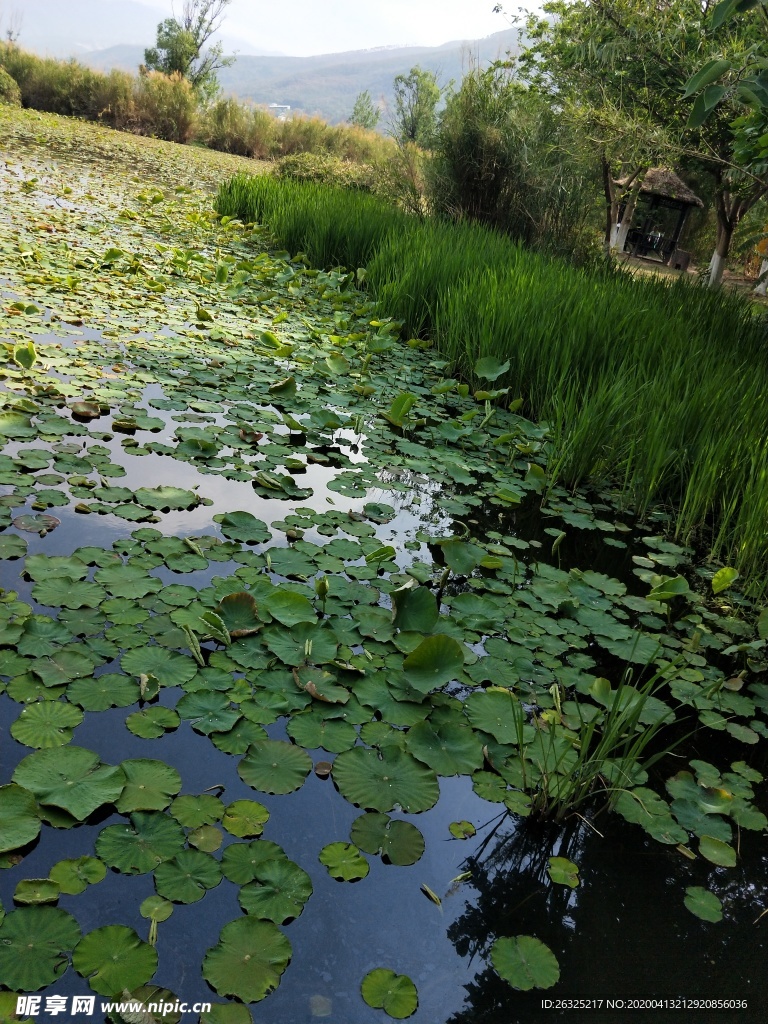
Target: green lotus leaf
[
  {"x": 289, "y": 608},
  {"x": 208, "y": 712},
  {"x": 105, "y": 691},
  {"x": 227, "y": 1013},
  {"x": 46, "y": 724},
  {"x": 436, "y": 661},
  {"x": 497, "y": 712},
  {"x": 321, "y": 685},
  {"x": 16, "y": 424},
  {"x": 278, "y": 892},
  {"x": 398, "y": 842},
  {"x": 239, "y": 737},
  {"x": 447, "y": 749},
  {"x": 394, "y": 993},
  {"x": 135, "y": 849},
  {"x": 155, "y": 908},
  {"x": 73, "y": 876},
  {"x": 245, "y": 818},
  {"x": 149, "y": 785},
  {"x": 71, "y": 778},
  {"x": 12, "y": 547},
  {"x": 152, "y": 723},
  {"x": 491, "y": 368},
  {"x": 378, "y": 512},
  {"x": 248, "y": 960},
  {"x": 461, "y": 556},
  {"x": 19, "y": 818},
  {"x": 703, "y": 904},
  {"x": 525, "y": 962},
  {"x": 241, "y": 862},
  {"x": 194, "y": 811},
  {"x": 244, "y": 527},
  {"x": 129, "y": 581},
  {"x": 164, "y": 498},
  {"x": 170, "y": 668},
  {"x": 141, "y": 999},
  {"x": 42, "y": 636},
  {"x": 34, "y": 891},
  {"x": 42, "y": 523},
  {"x": 274, "y": 766},
  {"x": 462, "y": 829},
  {"x": 62, "y": 666},
  {"x": 238, "y": 612},
  {"x": 415, "y": 609},
  {"x": 563, "y": 872},
  {"x": 114, "y": 959},
  {"x": 374, "y": 622},
  {"x": 187, "y": 877},
  {"x": 344, "y": 861},
  {"x": 66, "y": 593},
  {"x": 382, "y": 781},
  {"x": 311, "y": 731},
  {"x": 303, "y": 643},
  {"x": 207, "y": 838},
  {"x": 33, "y": 941},
  {"x": 717, "y": 852}
]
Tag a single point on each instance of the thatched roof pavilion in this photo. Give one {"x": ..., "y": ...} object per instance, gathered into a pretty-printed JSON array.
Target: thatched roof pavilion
[{"x": 661, "y": 189}]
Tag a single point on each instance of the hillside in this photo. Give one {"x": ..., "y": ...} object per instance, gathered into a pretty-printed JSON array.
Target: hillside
[{"x": 328, "y": 84}]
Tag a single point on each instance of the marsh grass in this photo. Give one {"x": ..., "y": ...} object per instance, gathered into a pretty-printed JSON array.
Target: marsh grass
[{"x": 660, "y": 388}]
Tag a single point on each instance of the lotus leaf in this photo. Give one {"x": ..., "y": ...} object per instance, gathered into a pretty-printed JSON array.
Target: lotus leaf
[
  {"x": 67, "y": 593},
  {"x": 207, "y": 838},
  {"x": 383, "y": 780},
  {"x": 19, "y": 818},
  {"x": 12, "y": 547},
  {"x": 248, "y": 960},
  {"x": 490, "y": 368},
  {"x": 114, "y": 959},
  {"x": 245, "y": 818},
  {"x": 42, "y": 636},
  {"x": 462, "y": 829},
  {"x": 73, "y": 876},
  {"x": 242, "y": 862},
  {"x": 59, "y": 668},
  {"x": 152, "y": 723},
  {"x": 274, "y": 766},
  {"x": 141, "y": 999},
  {"x": 238, "y": 612},
  {"x": 208, "y": 712},
  {"x": 278, "y": 892},
  {"x": 134, "y": 849},
  {"x": 102, "y": 692},
  {"x": 394, "y": 993},
  {"x": 498, "y": 713},
  {"x": 149, "y": 785},
  {"x": 42, "y": 524},
  {"x": 344, "y": 861},
  {"x": 194, "y": 811},
  {"x": 70, "y": 778},
  {"x": 398, "y": 842},
  {"x": 47, "y": 724},
  {"x": 311, "y": 731},
  {"x": 187, "y": 877},
  {"x": 16, "y": 424},
  {"x": 33, "y": 941},
  {"x": 289, "y": 608},
  {"x": 436, "y": 661},
  {"x": 227, "y": 1013},
  {"x": 303, "y": 643},
  {"x": 155, "y": 908},
  {"x": 34, "y": 891},
  {"x": 461, "y": 556},
  {"x": 563, "y": 872},
  {"x": 170, "y": 668},
  {"x": 703, "y": 904},
  {"x": 448, "y": 749},
  {"x": 164, "y": 498},
  {"x": 128, "y": 581},
  {"x": 525, "y": 962},
  {"x": 717, "y": 852},
  {"x": 244, "y": 527},
  {"x": 415, "y": 609}
]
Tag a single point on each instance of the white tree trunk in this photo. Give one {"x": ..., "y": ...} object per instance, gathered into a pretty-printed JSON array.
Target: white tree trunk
[
  {"x": 716, "y": 268},
  {"x": 615, "y": 232},
  {"x": 762, "y": 285},
  {"x": 621, "y": 234}
]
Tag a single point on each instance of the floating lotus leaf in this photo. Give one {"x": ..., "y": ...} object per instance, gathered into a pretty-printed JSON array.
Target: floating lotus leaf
[
  {"x": 12, "y": 546},
  {"x": 378, "y": 512},
  {"x": 66, "y": 593},
  {"x": 170, "y": 668},
  {"x": 33, "y": 942},
  {"x": 462, "y": 829},
  {"x": 344, "y": 861},
  {"x": 321, "y": 685},
  {"x": 703, "y": 904},
  {"x": 311, "y": 731},
  {"x": 525, "y": 962},
  {"x": 226, "y": 1013},
  {"x": 114, "y": 959},
  {"x": 165, "y": 498},
  {"x": 717, "y": 852},
  {"x": 563, "y": 872},
  {"x": 447, "y": 749},
  {"x": 496, "y": 712},
  {"x": 187, "y": 877},
  {"x": 42, "y": 523},
  {"x": 42, "y": 636},
  {"x": 394, "y": 993},
  {"x": 303, "y": 643},
  {"x": 244, "y": 527},
  {"x": 278, "y": 892},
  {"x": 242, "y": 862},
  {"x": 238, "y": 612},
  {"x": 150, "y": 839},
  {"x": 398, "y": 842},
  {"x": 19, "y": 818},
  {"x": 194, "y": 811},
  {"x": 62, "y": 666},
  {"x": 86, "y": 410},
  {"x": 104, "y": 691},
  {"x": 141, "y": 999},
  {"x": 289, "y": 608},
  {"x": 436, "y": 661},
  {"x": 461, "y": 556},
  {"x": 73, "y": 876},
  {"x": 149, "y": 785},
  {"x": 239, "y": 738},
  {"x": 491, "y": 368},
  {"x": 248, "y": 960},
  {"x": 207, "y": 838},
  {"x": 415, "y": 609},
  {"x": 155, "y": 908},
  {"x": 129, "y": 581},
  {"x": 383, "y": 780},
  {"x": 47, "y": 724},
  {"x": 16, "y": 424},
  {"x": 208, "y": 712},
  {"x": 34, "y": 891},
  {"x": 152, "y": 723},
  {"x": 273, "y": 766},
  {"x": 245, "y": 818},
  {"x": 71, "y": 778}
]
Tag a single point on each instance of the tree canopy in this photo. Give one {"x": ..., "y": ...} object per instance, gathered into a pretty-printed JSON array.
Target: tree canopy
[{"x": 180, "y": 47}]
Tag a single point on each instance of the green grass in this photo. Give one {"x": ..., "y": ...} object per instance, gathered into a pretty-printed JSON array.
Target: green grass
[{"x": 661, "y": 388}]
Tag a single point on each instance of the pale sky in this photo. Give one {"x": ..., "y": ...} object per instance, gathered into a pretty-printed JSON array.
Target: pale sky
[{"x": 304, "y": 27}]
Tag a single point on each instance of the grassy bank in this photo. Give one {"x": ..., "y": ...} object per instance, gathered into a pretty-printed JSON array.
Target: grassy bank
[{"x": 661, "y": 389}]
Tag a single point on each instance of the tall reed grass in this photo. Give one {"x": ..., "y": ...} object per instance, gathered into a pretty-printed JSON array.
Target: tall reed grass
[{"x": 661, "y": 389}]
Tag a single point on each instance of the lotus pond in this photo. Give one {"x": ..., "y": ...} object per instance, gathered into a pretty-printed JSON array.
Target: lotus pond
[{"x": 314, "y": 690}]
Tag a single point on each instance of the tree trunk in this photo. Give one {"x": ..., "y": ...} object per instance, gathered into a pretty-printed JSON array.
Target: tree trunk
[
  {"x": 611, "y": 204},
  {"x": 762, "y": 284},
  {"x": 720, "y": 255},
  {"x": 629, "y": 213}
]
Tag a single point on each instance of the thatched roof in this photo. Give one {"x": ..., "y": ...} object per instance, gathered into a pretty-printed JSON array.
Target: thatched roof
[{"x": 661, "y": 181}]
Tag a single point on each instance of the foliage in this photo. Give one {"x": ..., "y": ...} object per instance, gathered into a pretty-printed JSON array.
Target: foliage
[
  {"x": 364, "y": 113},
  {"x": 180, "y": 48},
  {"x": 417, "y": 95},
  {"x": 9, "y": 89},
  {"x": 327, "y": 170}
]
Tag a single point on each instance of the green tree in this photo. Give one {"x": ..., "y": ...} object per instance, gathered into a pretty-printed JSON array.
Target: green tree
[
  {"x": 364, "y": 113},
  {"x": 417, "y": 95},
  {"x": 180, "y": 47}
]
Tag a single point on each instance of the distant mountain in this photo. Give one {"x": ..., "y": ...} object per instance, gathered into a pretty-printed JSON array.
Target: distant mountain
[{"x": 327, "y": 85}]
